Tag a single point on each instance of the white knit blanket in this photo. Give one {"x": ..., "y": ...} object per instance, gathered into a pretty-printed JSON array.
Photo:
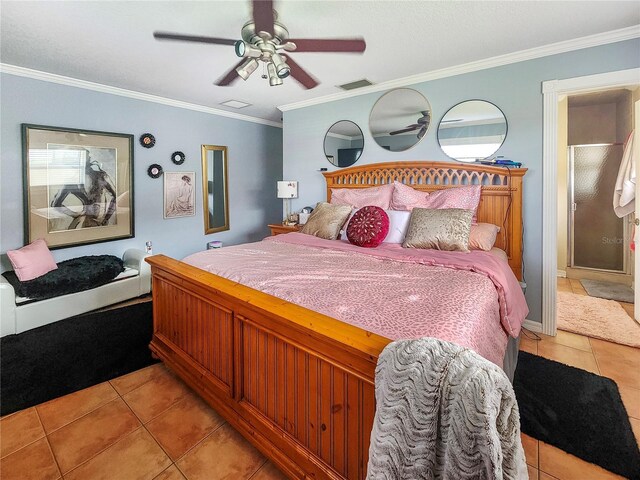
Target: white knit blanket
[{"x": 443, "y": 412}]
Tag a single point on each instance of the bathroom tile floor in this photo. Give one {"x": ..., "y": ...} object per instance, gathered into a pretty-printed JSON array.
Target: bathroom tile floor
[{"x": 150, "y": 425}]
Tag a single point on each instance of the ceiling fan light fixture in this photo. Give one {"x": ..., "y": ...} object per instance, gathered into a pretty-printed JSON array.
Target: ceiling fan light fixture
[
  {"x": 281, "y": 68},
  {"x": 240, "y": 47},
  {"x": 244, "y": 49},
  {"x": 274, "y": 79},
  {"x": 247, "y": 68}
]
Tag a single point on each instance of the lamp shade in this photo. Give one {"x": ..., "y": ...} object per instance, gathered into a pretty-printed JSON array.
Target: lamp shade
[{"x": 287, "y": 189}]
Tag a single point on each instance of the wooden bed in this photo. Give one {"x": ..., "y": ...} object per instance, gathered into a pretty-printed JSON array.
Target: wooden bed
[{"x": 297, "y": 384}]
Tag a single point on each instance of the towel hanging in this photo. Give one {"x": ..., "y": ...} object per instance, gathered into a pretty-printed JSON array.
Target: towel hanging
[{"x": 624, "y": 193}]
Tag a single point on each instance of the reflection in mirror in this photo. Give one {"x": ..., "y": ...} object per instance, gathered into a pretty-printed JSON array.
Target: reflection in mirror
[
  {"x": 343, "y": 143},
  {"x": 472, "y": 130},
  {"x": 400, "y": 119},
  {"x": 214, "y": 182}
]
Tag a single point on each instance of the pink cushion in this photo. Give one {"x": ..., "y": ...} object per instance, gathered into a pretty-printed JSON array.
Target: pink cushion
[
  {"x": 362, "y": 197},
  {"x": 368, "y": 227},
  {"x": 32, "y": 261},
  {"x": 465, "y": 197},
  {"x": 406, "y": 198},
  {"x": 483, "y": 236}
]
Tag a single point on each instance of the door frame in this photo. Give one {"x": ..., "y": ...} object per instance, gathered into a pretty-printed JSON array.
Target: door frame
[{"x": 551, "y": 91}]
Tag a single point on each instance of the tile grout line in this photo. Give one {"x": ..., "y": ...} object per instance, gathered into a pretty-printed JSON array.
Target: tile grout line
[
  {"x": 46, "y": 437},
  {"x": 103, "y": 450},
  {"x": 179, "y": 399},
  {"x": 81, "y": 416},
  {"x": 259, "y": 468},
  {"x": 143, "y": 383},
  {"x": 200, "y": 441},
  {"x": 108, "y": 446}
]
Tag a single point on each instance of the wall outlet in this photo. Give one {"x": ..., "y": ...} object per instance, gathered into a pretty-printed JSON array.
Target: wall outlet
[{"x": 148, "y": 247}]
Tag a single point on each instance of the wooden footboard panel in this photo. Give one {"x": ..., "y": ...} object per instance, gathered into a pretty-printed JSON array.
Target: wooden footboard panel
[{"x": 297, "y": 384}]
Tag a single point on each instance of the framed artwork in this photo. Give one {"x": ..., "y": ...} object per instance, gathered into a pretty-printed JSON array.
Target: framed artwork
[
  {"x": 179, "y": 195},
  {"x": 78, "y": 185}
]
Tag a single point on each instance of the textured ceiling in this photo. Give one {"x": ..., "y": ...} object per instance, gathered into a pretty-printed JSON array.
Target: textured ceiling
[{"x": 111, "y": 43}]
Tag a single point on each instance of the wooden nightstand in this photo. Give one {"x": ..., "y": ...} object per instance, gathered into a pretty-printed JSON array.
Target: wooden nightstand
[{"x": 278, "y": 228}]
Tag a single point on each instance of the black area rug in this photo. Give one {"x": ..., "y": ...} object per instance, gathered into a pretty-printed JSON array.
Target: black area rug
[
  {"x": 576, "y": 411},
  {"x": 69, "y": 355}
]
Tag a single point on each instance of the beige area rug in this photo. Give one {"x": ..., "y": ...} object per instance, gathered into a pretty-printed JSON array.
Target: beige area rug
[{"x": 598, "y": 318}]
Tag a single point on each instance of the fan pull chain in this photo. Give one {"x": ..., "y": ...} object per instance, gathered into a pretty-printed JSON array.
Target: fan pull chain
[{"x": 264, "y": 70}]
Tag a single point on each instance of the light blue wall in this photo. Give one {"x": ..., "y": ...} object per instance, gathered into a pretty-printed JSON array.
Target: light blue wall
[
  {"x": 515, "y": 88},
  {"x": 255, "y": 164}
]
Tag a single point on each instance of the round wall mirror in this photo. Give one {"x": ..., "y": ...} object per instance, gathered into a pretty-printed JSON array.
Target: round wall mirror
[
  {"x": 472, "y": 130},
  {"x": 400, "y": 119},
  {"x": 343, "y": 143}
]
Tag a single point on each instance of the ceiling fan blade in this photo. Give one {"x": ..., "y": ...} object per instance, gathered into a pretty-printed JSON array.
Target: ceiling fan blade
[
  {"x": 353, "y": 45},
  {"x": 300, "y": 74},
  {"x": 404, "y": 130},
  {"x": 229, "y": 77},
  {"x": 193, "y": 38},
  {"x": 263, "y": 15}
]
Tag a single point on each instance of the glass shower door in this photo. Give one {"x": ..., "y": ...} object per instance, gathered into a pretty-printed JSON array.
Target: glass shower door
[{"x": 597, "y": 234}]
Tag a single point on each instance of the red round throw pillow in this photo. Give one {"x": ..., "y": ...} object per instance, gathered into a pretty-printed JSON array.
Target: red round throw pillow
[{"x": 368, "y": 227}]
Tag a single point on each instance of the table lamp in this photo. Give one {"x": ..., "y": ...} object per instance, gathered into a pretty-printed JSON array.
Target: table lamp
[{"x": 287, "y": 189}]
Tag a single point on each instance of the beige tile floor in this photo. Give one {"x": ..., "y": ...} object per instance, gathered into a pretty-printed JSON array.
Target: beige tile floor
[
  {"x": 150, "y": 425},
  {"x": 145, "y": 425}
]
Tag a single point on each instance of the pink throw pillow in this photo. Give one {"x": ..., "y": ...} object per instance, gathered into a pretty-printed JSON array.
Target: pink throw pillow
[
  {"x": 368, "y": 227},
  {"x": 406, "y": 198},
  {"x": 466, "y": 197},
  {"x": 362, "y": 197},
  {"x": 32, "y": 261},
  {"x": 483, "y": 236}
]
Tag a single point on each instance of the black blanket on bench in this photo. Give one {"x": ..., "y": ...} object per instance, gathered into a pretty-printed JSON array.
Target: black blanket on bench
[{"x": 71, "y": 276}]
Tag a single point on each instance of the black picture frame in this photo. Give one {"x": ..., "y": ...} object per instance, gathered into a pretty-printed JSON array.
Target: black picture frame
[{"x": 59, "y": 206}]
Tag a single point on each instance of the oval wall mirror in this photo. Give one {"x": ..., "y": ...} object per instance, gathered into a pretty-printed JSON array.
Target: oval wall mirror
[
  {"x": 400, "y": 119},
  {"x": 472, "y": 130},
  {"x": 343, "y": 143}
]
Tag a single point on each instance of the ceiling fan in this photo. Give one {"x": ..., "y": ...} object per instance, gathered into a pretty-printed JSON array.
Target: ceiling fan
[
  {"x": 263, "y": 39},
  {"x": 422, "y": 125}
]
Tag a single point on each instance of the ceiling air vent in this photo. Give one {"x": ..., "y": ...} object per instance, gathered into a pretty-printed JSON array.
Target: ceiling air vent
[{"x": 357, "y": 84}]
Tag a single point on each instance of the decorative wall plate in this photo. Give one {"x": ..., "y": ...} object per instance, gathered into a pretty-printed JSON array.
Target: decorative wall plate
[
  {"x": 177, "y": 158},
  {"x": 147, "y": 140},
  {"x": 154, "y": 170}
]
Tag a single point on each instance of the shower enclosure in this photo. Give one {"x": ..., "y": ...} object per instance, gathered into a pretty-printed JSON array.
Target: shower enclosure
[{"x": 598, "y": 238}]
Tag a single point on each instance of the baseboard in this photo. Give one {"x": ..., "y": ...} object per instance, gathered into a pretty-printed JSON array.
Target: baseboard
[
  {"x": 562, "y": 273},
  {"x": 532, "y": 326}
]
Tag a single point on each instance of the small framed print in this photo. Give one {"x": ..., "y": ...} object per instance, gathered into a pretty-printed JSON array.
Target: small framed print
[
  {"x": 179, "y": 194},
  {"x": 78, "y": 185}
]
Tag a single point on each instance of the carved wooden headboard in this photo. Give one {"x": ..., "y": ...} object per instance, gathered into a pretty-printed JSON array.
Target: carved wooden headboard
[{"x": 500, "y": 202}]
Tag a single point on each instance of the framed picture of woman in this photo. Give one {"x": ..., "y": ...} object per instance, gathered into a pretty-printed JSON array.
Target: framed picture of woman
[
  {"x": 78, "y": 185},
  {"x": 179, "y": 194}
]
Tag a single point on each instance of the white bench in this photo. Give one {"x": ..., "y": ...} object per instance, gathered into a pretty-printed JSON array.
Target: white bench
[{"x": 18, "y": 314}]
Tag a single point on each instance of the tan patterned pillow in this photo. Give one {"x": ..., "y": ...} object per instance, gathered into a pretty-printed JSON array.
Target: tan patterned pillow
[
  {"x": 441, "y": 229},
  {"x": 327, "y": 220}
]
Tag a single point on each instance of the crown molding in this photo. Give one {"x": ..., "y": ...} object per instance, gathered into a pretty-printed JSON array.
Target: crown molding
[
  {"x": 509, "y": 58},
  {"x": 122, "y": 92}
]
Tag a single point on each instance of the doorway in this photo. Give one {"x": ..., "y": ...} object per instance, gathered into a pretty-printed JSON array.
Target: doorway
[
  {"x": 555, "y": 91},
  {"x": 597, "y": 127}
]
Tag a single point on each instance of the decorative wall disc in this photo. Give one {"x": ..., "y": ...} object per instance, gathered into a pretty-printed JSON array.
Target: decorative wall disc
[
  {"x": 154, "y": 170},
  {"x": 147, "y": 140},
  {"x": 177, "y": 158}
]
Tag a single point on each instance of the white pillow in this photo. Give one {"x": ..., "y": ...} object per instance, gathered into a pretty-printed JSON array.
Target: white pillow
[{"x": 398, "y": 225}]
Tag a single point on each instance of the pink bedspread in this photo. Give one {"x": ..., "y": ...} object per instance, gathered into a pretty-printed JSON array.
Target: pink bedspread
[{"x": 472, "y": 299}]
